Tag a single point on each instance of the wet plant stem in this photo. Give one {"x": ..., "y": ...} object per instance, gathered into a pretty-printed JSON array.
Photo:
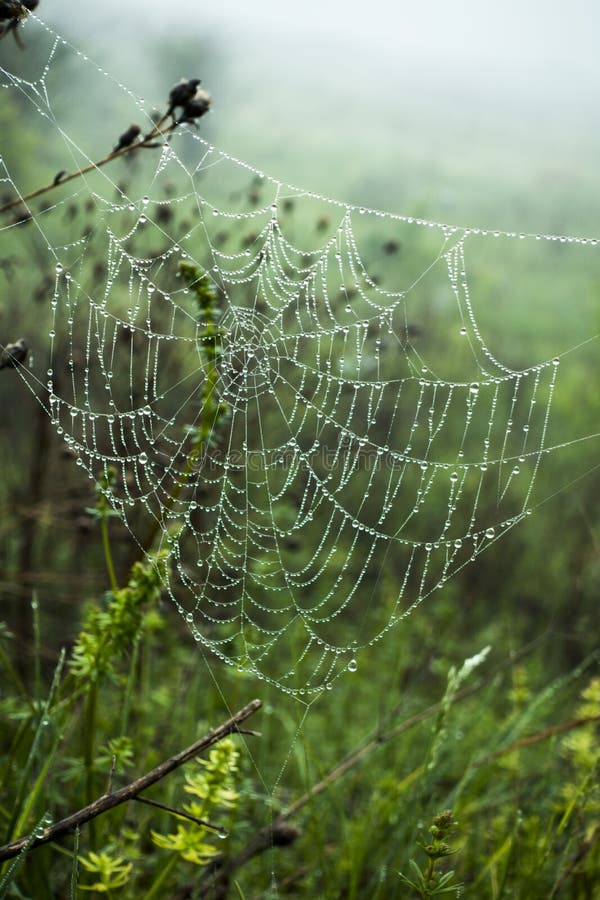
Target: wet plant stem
[
  {"x": 430, "y": 871},
  {"x": 110, "y": 567},
  {"x": 210, "y": 409},
  {"x": 158, "y": 884},
  {"x": 88, "y": 750}
]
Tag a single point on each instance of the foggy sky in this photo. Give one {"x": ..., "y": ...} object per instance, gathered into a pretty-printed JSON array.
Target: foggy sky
[
  {"x": 326, "y": 93},
  {"x": 547, "y": 41}
]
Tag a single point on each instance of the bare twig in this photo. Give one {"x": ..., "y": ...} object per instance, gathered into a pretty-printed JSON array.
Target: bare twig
[
  {"x": 130, "y": 791},
  {"x": 147, "y": 142},
  {"x": 181, "y": 813},
  {"x": 530, "y": 739}
]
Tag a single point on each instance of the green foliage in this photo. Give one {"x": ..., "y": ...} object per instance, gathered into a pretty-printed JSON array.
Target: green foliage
[
  {"x": 110, "y": 631},
  {"x": 581, "y": 748},
  {"x": 111, "y": 872},
  {"x": 214, "y": 414},
  {"x": 117, "y": 753},
  {"x": 213, "y": 785},
  {"x": 42, "y": 767},
  {"x": 431, "y": 882},
  {"x": 456, "y": 678},
  {"x": 525, "y": 814}
]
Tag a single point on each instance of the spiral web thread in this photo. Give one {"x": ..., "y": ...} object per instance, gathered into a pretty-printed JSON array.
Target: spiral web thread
[{"x": 352, "y": 478}]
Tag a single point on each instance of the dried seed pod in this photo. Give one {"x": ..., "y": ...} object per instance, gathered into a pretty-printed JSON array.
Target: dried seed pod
[
  {"x": 195, "y": 108},
  {"x": 14, "y": 355},
  {"x": 182, "y": 93},
  {"x": 12, "y": 12},
  {"x": 128, "y": 137}
]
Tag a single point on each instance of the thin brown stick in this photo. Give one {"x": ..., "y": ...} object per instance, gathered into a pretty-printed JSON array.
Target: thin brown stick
[
  {"x": 530, "y": 739},
  {"x": 130, "y": 791},
  {"x": 181, "y": 813},
  {"x": 147, "y": 142}
]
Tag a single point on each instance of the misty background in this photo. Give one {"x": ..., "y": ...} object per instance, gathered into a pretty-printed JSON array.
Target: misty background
[{"x": 470, "y": 113}]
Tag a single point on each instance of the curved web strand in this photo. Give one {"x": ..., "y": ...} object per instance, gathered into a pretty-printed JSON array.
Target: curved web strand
[{"x": 353, "y": 477}]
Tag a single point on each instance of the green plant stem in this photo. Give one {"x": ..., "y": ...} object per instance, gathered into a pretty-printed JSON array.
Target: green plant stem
[
  {"x": 75, "y": 867},
  {"x": 167, "y": 506},
  {"x": 108, "y": 555},
  {"x": 206, "y": 422},
  {"x": 11, "y": 872},
  {"x": 430, "y": 872},
  {"x": 212, "y": 374},
  {"x": 88, "y": 749},
  {"x": 154, "y": 890},
  {"x": 131, "y": 679},
  {"x": 14, "y": 677},
  {"x": 25, "y": 789}
]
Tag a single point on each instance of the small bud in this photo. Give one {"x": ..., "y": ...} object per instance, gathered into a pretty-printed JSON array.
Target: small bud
[
  {"x": 11, "y": 10},
  {"x": 11, "y": 14},
  {"x": 128, "y": 137},
  {"x": 22, "y": 216},
  {"x": 163, "y": 215},
  {"x": 438, "y": 850},
  {"x": 182, "y": 93},
  {"x": 14, "y": 355},
  {"x": 444, "y": 819},
  {"x": 195, "y": 108}
]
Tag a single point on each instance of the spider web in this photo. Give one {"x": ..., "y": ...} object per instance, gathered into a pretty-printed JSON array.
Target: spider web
[{"x": 374, "y": 443}]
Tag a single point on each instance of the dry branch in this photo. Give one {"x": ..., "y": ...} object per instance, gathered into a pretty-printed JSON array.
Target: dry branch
[
  {"x": 530, "y": 739},
  {"x": 130, "y": 791},
  {"x": 149, "y": 141}
]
